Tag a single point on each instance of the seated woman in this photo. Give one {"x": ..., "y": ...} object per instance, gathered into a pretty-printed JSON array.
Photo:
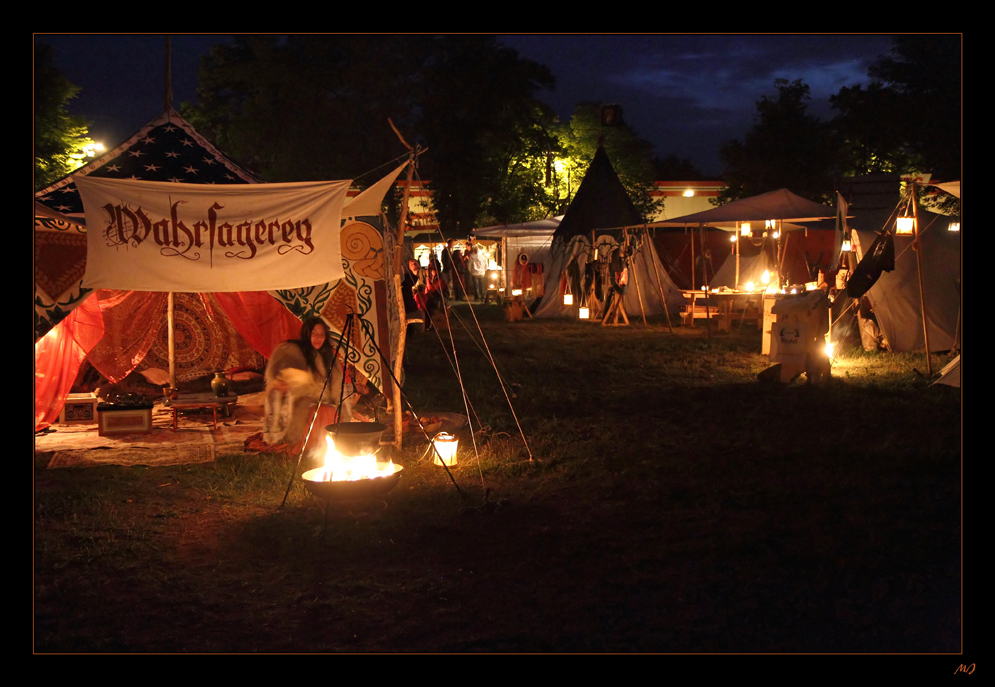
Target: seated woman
[
  {"x": 430, "y": 298},
  {"x": 295, "y": 376}
]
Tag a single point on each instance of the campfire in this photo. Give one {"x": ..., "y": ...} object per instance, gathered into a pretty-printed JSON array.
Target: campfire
[{"x": 351, "y": 471}]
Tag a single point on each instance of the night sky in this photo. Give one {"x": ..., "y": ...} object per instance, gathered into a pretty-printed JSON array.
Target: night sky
[{"x": 687, "y": 94}]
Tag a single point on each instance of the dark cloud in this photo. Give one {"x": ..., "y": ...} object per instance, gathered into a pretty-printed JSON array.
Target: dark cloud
[
  {"x": 689, "y": 93},
  {"x": 685, "y": 93}
]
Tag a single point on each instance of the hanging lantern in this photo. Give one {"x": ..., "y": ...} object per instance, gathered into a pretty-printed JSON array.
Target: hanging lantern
[
  {"x": 734, "y": 238},
  {"x": 744, "y": 229},
  {"x": 904, "y": 226},
  {"x": 445, "y": 448},
  {"x": 568, "y": 299},
  {"x": 584, "y": 313},
  {"x": 847, "y": 246},
  {"x": 953, "y": 226}
]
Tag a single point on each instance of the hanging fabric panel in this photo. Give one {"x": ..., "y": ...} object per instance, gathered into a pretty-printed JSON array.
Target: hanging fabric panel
[{"x": 58, "y": 356}]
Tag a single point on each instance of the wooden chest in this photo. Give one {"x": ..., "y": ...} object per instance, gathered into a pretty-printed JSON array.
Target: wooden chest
[
  {"x": 123, "y": 420},
  {"x": 79, "y": 409}
]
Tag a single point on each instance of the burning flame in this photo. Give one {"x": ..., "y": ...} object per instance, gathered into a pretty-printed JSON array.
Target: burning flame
[{"x": 341, "y": 468}]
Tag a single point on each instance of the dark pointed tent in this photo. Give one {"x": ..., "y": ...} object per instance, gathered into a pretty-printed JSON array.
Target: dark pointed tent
[
  {"x": 602, "y": 207},
  {"x": 601, "y": 202}
]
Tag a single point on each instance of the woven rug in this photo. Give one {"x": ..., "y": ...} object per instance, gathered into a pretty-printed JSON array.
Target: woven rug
[
  {"x": 147, "y": 456},
  {"x": 69, "y": 446}
]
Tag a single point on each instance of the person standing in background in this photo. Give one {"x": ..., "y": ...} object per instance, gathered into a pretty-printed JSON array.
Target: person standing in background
[{"x": 477, "y": 266}]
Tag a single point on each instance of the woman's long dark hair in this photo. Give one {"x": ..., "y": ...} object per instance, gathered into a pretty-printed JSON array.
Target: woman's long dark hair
[{"x": 326, "y": 350}]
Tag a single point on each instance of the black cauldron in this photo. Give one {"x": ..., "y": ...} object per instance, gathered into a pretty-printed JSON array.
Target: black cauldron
[{"x": 356, "y": 438}]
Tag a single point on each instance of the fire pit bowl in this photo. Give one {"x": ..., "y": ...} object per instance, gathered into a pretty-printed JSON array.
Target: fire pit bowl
[
  {"x": 350, "y": 490},
  {"x": 356, "y": 438}
]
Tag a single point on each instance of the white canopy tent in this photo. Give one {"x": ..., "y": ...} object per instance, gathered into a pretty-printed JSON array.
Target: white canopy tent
[{"x": 531, "y": 239}]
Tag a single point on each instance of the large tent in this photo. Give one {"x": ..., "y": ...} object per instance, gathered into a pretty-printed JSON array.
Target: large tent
[
  {"x": 594, "y": 220},
  {"x": 895, "y": 297},
  {"x": 118, "y": 330},
  {"x": 795, "y": 254},
  {"x": 781, "y": 205}
]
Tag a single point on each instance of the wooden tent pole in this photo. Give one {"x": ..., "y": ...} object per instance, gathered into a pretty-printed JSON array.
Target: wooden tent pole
[
  {"x": 504, "y": 269},
  {"x": 168, "y": 98},
  {"x": 693, "y": 287},
  {"x": 704, "y": 256},
  {"x": 635, "y": 277},
  {"x": 659, "y": 283},
  {"x": 171, "y": 345},
  {"x": 922, "y": 294},
  {"x": 736, "y": 248},
  {"x": 401, "y": 312}
]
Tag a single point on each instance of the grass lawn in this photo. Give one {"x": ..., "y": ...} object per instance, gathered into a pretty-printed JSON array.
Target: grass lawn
[{"x": 671, "y": 504}]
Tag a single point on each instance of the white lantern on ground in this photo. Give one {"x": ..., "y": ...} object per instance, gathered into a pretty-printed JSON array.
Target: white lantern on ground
[{"x": 445, "y": 448}]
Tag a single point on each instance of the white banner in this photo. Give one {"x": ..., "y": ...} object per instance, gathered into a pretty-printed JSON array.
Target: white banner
[{"x": 160, "y": 236}]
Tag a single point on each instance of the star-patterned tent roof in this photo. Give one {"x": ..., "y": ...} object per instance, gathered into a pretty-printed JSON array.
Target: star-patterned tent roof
[{"x": 166, "y": 149}]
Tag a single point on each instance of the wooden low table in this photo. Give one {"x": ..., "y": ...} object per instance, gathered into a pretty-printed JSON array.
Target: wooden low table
[
  {"x": 199, "y": 402},
  {"x": 720, "y": 306}
]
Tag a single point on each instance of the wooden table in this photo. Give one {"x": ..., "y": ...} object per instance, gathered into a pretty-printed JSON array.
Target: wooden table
[
  {"x": 199, "y": 401},
  {"x": 719, "y": 305}
]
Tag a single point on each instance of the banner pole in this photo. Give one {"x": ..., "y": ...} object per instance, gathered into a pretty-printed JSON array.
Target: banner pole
[{"x": 171, "y": 341}]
